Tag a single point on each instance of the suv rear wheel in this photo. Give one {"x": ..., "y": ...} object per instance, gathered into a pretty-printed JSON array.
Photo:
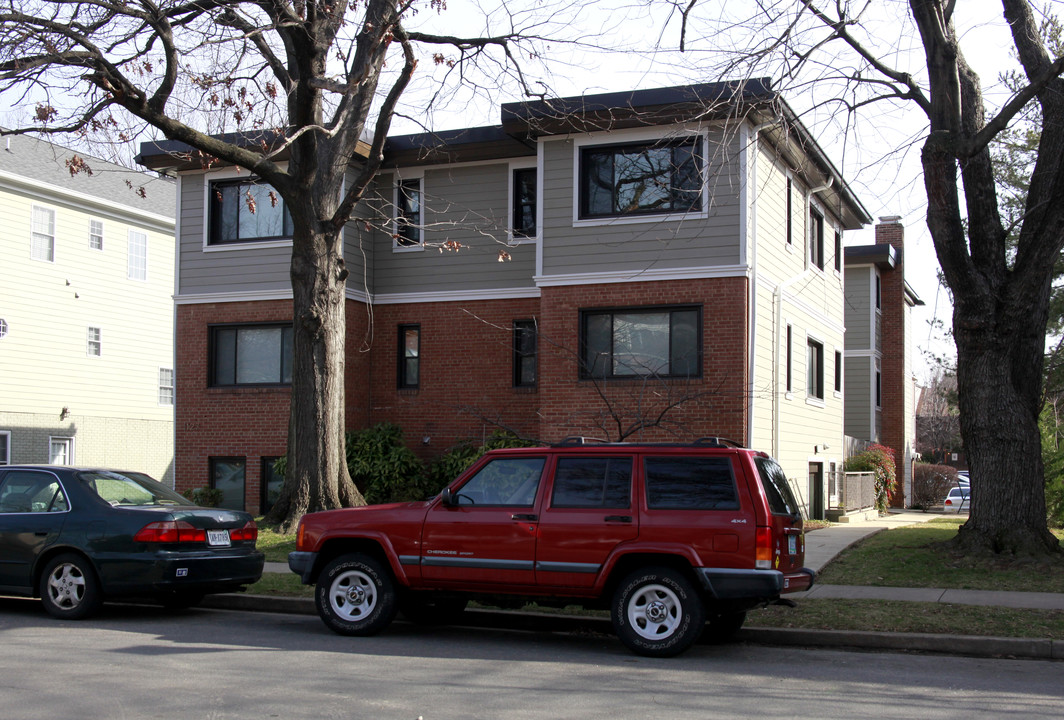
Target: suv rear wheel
[
  {"x": 355, "y": 595},
  {"x": 656, "y": 612}
]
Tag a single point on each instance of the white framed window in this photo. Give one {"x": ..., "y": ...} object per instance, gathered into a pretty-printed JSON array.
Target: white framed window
[
  {"x": 94, "y": 342},
  {"x": 137, "y": 261},
  {"x": 523, "y": 201},
  {"x": 166, "y": 386},
  {"x": 96, "y": 234},
  {"x": 42, "y": 243},
  {"x": 3, "y": 327},
  {"x": 61, "y": 450},
  {"x": 5, "y": 447},
  {"x": 409, "y": 216},
  {"x": 814, "y": 369}
]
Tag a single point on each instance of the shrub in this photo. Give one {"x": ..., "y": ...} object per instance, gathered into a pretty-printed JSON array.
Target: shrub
[
  {"x": 205, "y": 496},
  {"x": 931, "y": 483},
  {"x": 383, "y": 468},
  {"x": 460, "y": 457},
  {"x": 877, "y": 459}
]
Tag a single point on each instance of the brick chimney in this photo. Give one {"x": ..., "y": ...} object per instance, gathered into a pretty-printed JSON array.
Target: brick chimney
[{"x": 895, "y": 378}]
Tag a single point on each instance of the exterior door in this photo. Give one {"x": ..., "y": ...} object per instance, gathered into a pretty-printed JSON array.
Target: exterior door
[{"x": 487, "y": 536}]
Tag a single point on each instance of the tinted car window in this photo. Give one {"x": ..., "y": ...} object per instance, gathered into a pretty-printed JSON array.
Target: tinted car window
[
  {"x": 130, "y": 489},
  {"x": 777, "y": 489},
  {"x": 507, "y": 481},
  {"x": 31, "y": 492},
  {"x": 593, "y": 483},
  {"x": 690, "y": 483}
]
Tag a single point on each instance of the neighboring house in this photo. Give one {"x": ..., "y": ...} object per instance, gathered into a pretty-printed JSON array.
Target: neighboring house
[
  {"x": 86, "y": 311},
  {"x": 590, "y": 265},
  {"x": 880, "y": 385}
]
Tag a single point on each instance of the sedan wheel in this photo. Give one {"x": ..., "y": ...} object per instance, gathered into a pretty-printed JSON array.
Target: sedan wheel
[{"x": 69, "y": 588}]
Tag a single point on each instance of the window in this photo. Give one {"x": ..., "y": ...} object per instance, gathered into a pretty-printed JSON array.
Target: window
[
  {"x": 271, "y": 485},
  {"x": 815, "y": 369},
  {"x": 409, "y": 355},
  {"x": 509, "y": 482},
  {"x": 246, "y": 211},
  {"x": 29, "y": 491},
  {"x": 60, "y": 450},
  {"x": 227, "y": 475},
  {"x": 3, "y": 328},
  {"x": 523, "y": 221},
  {"x": 5, "y": 447},
  {"x": 593, "y": 483},
  {"x": 879, "y": 389},
  {"x": 838, "y": 251},
  {"x": 789, "y": 357},
  {"x": 94, "y": 345},
  {"x": 42, "y": 243},
  {"x": 524, "y": 353},
  {"x": 790, "y": 210},
  {"x": 251, "y": 355},
  {"x": 816, "y": 238},
  {"x": 137, "y": 259},
  {"x": 777, "y": 490},
  {"x": 166, "y": 386},
  {"x": 641, "y": 179},
  {"x": 690, "y": 483},
  {"x": 838, "y": 371},
  {"x": 408, "y": 213},
  {"x": 631, "y": 343},
  {"x": 96, "y": 234},
  {"x": 879, "y": 293}
]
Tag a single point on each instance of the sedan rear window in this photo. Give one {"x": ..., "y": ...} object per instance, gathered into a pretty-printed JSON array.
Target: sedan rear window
[{"x": 130, "y": 489}]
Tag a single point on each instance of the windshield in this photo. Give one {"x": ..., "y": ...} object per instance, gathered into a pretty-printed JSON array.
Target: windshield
[{"x": 130, "y": 489}]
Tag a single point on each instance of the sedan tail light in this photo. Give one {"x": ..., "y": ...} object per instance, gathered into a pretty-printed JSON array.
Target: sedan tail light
[
  {"x": 170, "y": 531},
  {"x": 248, "y": 532}
]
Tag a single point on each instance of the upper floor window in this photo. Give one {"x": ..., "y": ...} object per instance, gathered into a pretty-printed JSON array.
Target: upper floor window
[
  {"x": 523, "y": 222},
  {"x": 879, "y": 292},
  {"x": 790, "y": 210},
  {"x": 524, "y": 353},
  {"x": 815, "y": 369},
  {"x": 838, "y": 251},
  {"x": 166, "y": 386},
  {"x": 665, "y": 342},
  {"x": 408, "y": 213},
  {"x": 96, "y": 234},
  {"x": 251, "y": 355},
  {"x": 94, "y": 342},
  {"x": 42, "y": 243},
  {"x": 246, "y": 211},
  {"x": 137, "y": 259},
  {"x": 838, "y": 371},
  {"x": 816, "y": 238},
  {"x": 409, "y": 356},
  {"x": 790, "y": 358},
  {"x": 641, "y": 178}
]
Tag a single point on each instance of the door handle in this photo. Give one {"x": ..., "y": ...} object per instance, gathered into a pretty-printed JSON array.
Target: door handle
[
  {"x": 524, "y": 517},
  {"x": 619, "y": 518}
]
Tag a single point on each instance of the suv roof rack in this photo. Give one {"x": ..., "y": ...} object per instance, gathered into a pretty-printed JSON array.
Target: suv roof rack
[{"x": 709, "y": 441}]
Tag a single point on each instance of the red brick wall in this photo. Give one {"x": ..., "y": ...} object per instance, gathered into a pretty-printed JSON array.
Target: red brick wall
[
  {"x": 894, "y": 381},
  {"x": 716, "y": 404}
]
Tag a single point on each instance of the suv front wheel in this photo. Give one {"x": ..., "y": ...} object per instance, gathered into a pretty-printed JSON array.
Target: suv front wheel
[{"x": 657, "y": 612}]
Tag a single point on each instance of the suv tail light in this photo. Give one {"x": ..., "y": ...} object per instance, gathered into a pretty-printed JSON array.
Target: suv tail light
[
  {"x": 170, "y": 531},
  {"x": 248, "y": 532},
  {"x": 763, "y": 549}
]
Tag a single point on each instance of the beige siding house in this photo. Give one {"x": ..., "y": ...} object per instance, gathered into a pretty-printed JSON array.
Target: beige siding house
[{"x": 86, "y": 312}]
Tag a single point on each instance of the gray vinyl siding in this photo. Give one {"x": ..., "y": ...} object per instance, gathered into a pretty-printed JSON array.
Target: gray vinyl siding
[
  {"x": 654, "y": 244},
  {"x": 858, "y": 308},
  {"x": 245, "y": 269},
  {"x": 467, "y": 204},
  {"x": 859, "y": 396}
]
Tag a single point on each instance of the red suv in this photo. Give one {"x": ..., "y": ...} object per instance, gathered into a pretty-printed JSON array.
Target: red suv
[{"x": 674, "y": 539}]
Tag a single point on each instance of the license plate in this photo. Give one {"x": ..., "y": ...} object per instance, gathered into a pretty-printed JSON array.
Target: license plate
[
  {"x": 218, "y": 538},
  {"x": 792, "y": 544}
]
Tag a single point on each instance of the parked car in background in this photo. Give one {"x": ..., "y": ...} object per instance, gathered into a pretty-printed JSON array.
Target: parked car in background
[
  {"x": 959, "y": 498},
  {"x": 675, "y": 539},
  {"x": 75, "y": 537}
]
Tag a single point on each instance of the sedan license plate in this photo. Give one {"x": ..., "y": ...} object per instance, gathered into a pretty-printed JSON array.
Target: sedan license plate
[
  {"x": 218, "y": 538},
  {"x": 792, "y": 544}
]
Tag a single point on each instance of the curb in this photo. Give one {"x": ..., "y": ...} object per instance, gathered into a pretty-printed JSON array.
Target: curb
[{"x": 966, "y": 645}]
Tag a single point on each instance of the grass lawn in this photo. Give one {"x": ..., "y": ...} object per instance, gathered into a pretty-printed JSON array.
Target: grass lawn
[
  {"x": 274, "y": 545},
  {"x": 281, "y": 584},
  {"x": 914, "y": 557}
]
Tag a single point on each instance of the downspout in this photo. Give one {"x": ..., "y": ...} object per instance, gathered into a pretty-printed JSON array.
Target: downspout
[{"x": 777, "y": 304}]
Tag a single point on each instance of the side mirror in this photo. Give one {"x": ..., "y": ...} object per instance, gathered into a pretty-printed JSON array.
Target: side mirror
[{"x": 447, "y": 497}]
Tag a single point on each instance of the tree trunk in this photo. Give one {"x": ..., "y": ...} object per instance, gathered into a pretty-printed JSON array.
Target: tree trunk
[{"x": 317, "y": 477}]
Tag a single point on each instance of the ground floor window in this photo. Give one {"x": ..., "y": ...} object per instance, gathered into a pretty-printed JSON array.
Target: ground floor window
[
  {"x": 61, "y": 450},
  {"x": 663, "y": 342},
  {"x": 228, "y": 475}
]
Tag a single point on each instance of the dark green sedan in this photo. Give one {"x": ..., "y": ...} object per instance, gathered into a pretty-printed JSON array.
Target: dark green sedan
[{"x": 77, "y": 536}]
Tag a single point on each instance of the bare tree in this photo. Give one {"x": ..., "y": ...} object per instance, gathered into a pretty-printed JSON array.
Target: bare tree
[
  {"x": 937, "y": 418},
  {"x": 310, "y": 88},
  {"x": 852, "y": 62}
]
